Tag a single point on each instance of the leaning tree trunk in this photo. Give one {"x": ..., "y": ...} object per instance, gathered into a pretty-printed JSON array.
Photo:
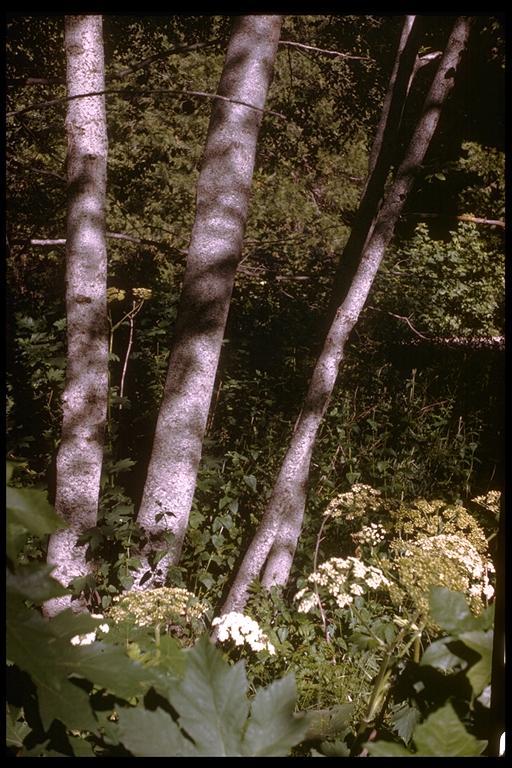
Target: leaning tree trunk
[
  {"x": 275, "y": 540},
  {"x": 216, "y": 243},
  {"x": 84, "y": 402}
]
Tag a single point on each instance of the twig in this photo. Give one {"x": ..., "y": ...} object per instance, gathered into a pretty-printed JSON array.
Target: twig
[
  {"x": 130, "y": 92},
  {"x": 51, "y": 242},
  {"x": 157, "y": 57},
  {"x": 135, "y": 310},
  {"x": 411, "y": 326},
  {"x": 324, "y": 50},
  {"x": 460, "y": 217},
  {"x": 315, "y": 562}
]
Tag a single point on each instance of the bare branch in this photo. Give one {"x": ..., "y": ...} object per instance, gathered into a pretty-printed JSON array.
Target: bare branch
[
  {"x": 411, "y": 326},
  {"x": 51, "y": 242},
  {"x": 324, "y": 50},
  {"x": 130, "y": 92},
  {"x": 460, "y": 217},
  {"x": 165, "y": 54}
]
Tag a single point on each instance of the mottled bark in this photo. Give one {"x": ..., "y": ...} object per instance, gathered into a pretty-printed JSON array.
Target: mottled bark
[
  {"x": 84, "y": 402},
  {"x": 216, "y": 243},
  {"x": 275, "y": 540}
]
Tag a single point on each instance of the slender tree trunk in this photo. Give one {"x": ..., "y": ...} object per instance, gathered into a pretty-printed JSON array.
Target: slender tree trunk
[
  {"x": 215, "y": 248},
  {"x": 84, "y": 402},
  {"x": 382, "y": 155},
  {"x": 276, "y": 538}
]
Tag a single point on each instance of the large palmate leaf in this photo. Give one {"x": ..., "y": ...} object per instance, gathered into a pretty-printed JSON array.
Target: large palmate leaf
[
  {"x": 215, "y": 718},
  {"x": 443, "y": 735},
  {"x": 479, "y": 674},
  {"x": 43, "y": 649},
  {"x": 33, "y": 582},
  {"x": 272, "y": 728}
]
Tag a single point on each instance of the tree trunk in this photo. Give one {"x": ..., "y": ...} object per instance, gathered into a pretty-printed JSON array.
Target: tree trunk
[
  {"x": 216, "y": 243},
  {"x": 276, "y": 538},
  {"x": 84, "y": 401}
]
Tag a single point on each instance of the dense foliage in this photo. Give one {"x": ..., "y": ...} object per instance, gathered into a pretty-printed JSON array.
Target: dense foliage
[{"x": 413, "y": 431}]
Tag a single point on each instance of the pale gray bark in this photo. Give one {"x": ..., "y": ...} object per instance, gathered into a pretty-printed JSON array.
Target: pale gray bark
[
  {"x": 216, "y": 243},
  {"x": 274, "y": 543},
  {"x": 84, "y": 401}
]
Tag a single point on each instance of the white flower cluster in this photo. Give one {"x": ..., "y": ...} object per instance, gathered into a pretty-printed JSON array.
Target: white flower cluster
[
  {"x": 90, "y": 637},
  {"x": 490, "y": 501},
  {"x": 371, "y": 534},
  {"x": 343, "y": 580},
  {"x": 354, "y": 503},
  {"x": 241, "y": 629},
  {"x": 161, "y": 605},
  {"x": 464, "y": 553}
]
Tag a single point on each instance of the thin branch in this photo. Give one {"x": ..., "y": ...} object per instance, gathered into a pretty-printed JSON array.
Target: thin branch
[
  {"x": 157, "y": 57},
  {"x": 115, "y": 76},
  {"x": 324, "y": 50},
  {"x": 460, "y": 217},
  {"x": 411, "y": 326},
  {"x": 135, "y": 310},
  {"x": 130, "y": 92},
  {"x": 50, "y": 243}
]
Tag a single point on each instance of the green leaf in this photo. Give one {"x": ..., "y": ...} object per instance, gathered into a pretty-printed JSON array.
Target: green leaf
[
  {"x": 29, "y": 508},
  {"x": 450, "y": 610},
  {"x": 443, "y": 735},
  {"x": 250, "y": 480},
  {"x": 123, "y": 465},
  {"x": 33, "y": 582},
  {"x": 212, "y": 707},
  {"x": 108, "y": 667},
  {"x": 273, "y": 730},
  {"x": 386, "y": 749},
  {"x": 479, "y": 674},
  {"x": 439, "y": 656},
  {"x": 152, "y": 734},
  {"x": 33, "y": 647},
  {"x": 81, "y": 747},
  {"x": 404, "y": 722},
  {"x": 211, "y": 701},
  {"x": 15, "y": 537},
  {"x": 16, "y": 729}
]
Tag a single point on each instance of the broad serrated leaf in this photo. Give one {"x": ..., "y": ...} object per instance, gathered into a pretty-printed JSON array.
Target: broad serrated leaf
[
  {"x": 152, "y": 734},
  {"x": 33, "y": 582},
  {"x": 212, "y": 701},
  {"x": 108, "y": 667},
  {"x": 33, "y": 648},
  {"x": 61, "y": 700},
  {"x": 479, "y": 674},
  {"x": 443, "y": 735},
  {"x": 386, "y": 749},
  {"x": 439, "y": 656},
  {"x": 450, "y": 610},
  {"x": 404, "y": 721},
  {"x": 273, "y": 729},
  {"x": 29, "y": 508}
]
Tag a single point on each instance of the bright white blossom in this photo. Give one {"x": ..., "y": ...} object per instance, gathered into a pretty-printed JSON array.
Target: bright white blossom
[
  {"x": 342, "y": 579},
  {"x": 87, "y": 639},
  {"x": 354, "y": 503},
  {"x": 371, "y": 534},
  {"x": 241, "y": 629},
  {"x": 90, "y": 637}
]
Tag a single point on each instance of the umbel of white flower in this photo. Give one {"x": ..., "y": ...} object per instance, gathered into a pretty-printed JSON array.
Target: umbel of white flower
[
  {"x": 242, "y": 630},
  {"x": 342, "y": 579}
]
